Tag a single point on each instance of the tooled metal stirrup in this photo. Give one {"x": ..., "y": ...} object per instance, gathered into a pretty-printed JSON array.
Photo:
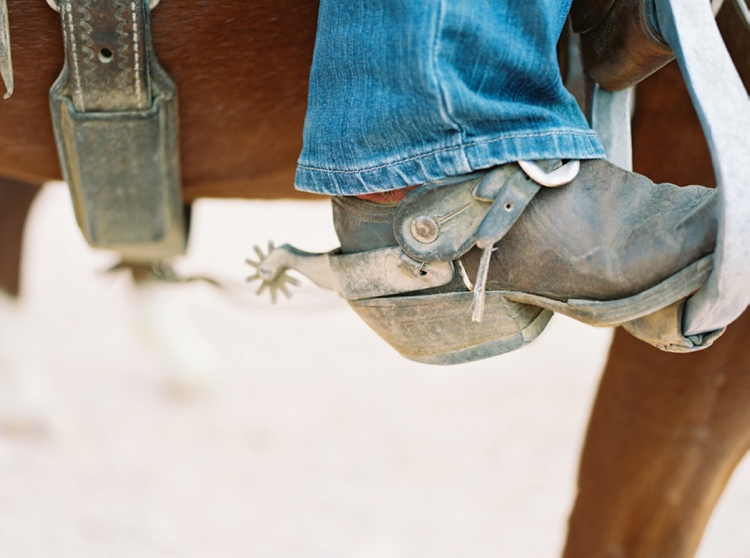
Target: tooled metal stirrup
[
  {"x": 664, "y": 329},
  {"x": 114, "y": 111}
]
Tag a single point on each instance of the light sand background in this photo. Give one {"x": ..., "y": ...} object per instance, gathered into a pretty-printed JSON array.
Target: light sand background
[{"x": 307, "y": 436}]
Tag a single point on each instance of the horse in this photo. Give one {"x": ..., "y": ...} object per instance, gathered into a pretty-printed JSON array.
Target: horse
[{"x": 666, "y": 430}]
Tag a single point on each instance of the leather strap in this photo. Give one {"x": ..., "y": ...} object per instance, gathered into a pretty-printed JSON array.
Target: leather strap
[
  {"x": 114, "y": 110},
  {"x": 624, "y": 46},
  {"x": 105, "y": 46},
  {"x": 585, "y": 14},
  {"x": 510, "y": 202},
  {"x": 442, "y": 221}
]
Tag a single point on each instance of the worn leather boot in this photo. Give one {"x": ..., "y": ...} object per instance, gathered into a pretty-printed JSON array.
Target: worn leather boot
[
  {"x": 607, "y": 248},
  {"x": 619, "y": 43}
]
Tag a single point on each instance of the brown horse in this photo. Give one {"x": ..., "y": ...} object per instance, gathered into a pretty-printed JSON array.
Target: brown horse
[{"x": 666, "y": 430}]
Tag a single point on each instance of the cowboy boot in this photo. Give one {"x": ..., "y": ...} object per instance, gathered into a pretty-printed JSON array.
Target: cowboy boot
[
  {"x": 620, "y": 42},
  {"x": 608, "y": 247}
]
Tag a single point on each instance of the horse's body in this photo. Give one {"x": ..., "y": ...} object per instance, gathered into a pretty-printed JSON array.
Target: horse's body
[{"x": 666, "y": 430}]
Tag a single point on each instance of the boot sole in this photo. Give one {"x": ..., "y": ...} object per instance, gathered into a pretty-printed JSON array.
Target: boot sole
[{"x": 437, "y": 329}]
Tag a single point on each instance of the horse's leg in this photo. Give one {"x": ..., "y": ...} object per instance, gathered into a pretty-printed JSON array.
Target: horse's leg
[
  {"x": 22, "y": 405},
  {"x": 666, "y": 432},
  {"x": 15, "y": 202},
  {"x": 169, "y": 330}
]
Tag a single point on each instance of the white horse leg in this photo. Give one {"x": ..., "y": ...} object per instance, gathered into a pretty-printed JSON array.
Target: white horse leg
[
  {"x": 24, "y": 399},
  {"x": 166, "y": 322}
]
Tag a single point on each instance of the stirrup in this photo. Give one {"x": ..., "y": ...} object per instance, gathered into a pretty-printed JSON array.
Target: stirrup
[{"x": 722, "y": 104}]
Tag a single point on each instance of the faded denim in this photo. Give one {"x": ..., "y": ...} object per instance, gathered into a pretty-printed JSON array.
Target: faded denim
[{"x": 404, "y": 92}]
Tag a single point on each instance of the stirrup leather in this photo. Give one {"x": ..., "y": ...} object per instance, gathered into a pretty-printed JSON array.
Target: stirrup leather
[{"x": 114, "y": 111}]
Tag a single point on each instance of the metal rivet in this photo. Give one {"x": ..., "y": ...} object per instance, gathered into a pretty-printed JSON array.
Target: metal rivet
[
  {"x": 106, "y": 56},
  {"x": 424, "y": 229}
]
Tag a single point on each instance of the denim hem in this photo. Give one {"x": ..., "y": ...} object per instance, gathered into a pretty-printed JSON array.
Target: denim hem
[{"x": 450, "y": 161}]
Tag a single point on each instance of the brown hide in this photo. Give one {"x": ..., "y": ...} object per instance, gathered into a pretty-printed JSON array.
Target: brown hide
[
  {"x": 667, "y": 430},
  {"x": 15, "y": 201},
  {"x": 241, "y": 69},
  {"x": 665, "y": 434}
]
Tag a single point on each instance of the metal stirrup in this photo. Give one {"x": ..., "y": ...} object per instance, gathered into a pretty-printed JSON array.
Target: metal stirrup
[{"x": 723, "y": 107}]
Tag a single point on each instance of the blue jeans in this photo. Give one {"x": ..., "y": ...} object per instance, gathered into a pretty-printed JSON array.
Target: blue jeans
[{"x": 404, "y": 92}]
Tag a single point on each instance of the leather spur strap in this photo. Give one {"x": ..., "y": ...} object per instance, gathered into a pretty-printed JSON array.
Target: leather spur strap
[{"x": 114, "y": 110}]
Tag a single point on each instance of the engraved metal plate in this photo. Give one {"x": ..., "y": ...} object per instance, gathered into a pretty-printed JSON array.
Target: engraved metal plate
[{"x": 115, "y": 116}]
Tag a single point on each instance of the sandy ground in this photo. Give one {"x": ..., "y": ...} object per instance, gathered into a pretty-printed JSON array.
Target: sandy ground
[{"x": 306, "y": 436}]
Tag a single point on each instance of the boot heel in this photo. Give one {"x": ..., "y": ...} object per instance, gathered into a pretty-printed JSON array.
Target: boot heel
[{"x": 437, "y": 328}]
